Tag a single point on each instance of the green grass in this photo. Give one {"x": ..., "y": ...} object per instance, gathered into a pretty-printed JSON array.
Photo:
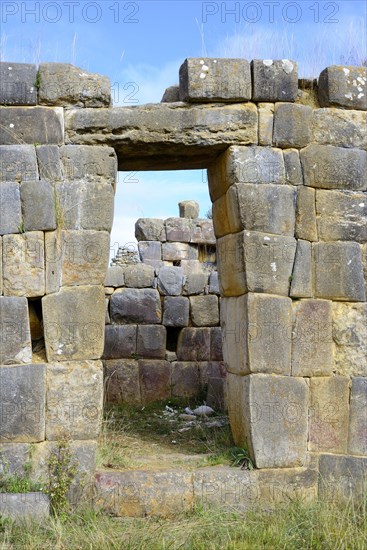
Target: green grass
[
  {"x": 296, "y": 527},
  {"x": 18, "y": 484}
]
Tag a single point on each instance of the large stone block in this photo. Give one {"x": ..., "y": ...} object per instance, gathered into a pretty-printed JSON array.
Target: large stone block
[
  {"x": 341, "y": 215},
  {"x": 235, "y": 391},
  {"x": 155, "y": 380},
  {"x": 267, "y": 208},
  {"x": 31, "y": 125},
  {"x": 293, "y": 168},
  {"x": 15, "y": 337},
  {"x": 312, "y": 342},
  {"x": 343, "y": 87},
  {"x": 301, "y": 284},
  {"x": 23, "y": 401},
  {"x": 139, "y": 276},
  {"x": 179, "y": 229},
  {"x": 18, "y": 163},
  {"x": 65, "y": 85},
  {"x": 292, "y": 125},
  {"x": 342, "y": 479},
  {"x": 49, "y": 164},
  {"x": 216, "y": 346},
  {"x": 115, "y": 276},
  {"x": 97, "y": 163},
  {"x": 24, "y": 264},
  {"x": 338, "y": 271},
  {"x": 350, "y": 338},
  {"x": 245, "y": 165},
  {"x": 170, "y": 280},
  {"x": 120, "y": 341},
  {"x": 74, "y": 400},
  {"x": 73, "y": 322},
  {"x": 193, "y": 344},
  {"x": 18, "y": 84},
  {"x": 329, "y": 167},
  {"x": 329, "y": 414},
  {"x": 226, "y": 218},
  {"x": 150, "y": 250},
  {"x": 266, "y": 121},
  {"x": 189, "y": 209},
  {"x": 171, "y": 95},
  {"x": 141, "y": 306},
  {"x": 121, "y": 381},
  {"x": 204, "y": 310},
  {"x": 84, "y": 205},
  {"x": 195, "y": 283},
  {"x": 339, "y": 127},
  {"x": 176, "y": 311},
  {"x": 38, "y": 205},
  {"x": 256, "y": 331},
  {"x": 23, "y": 507},
  {"x": 179, "y": 251},
  {"x": 306, "y": 227},
  {"x": 214, "y": 283},
  {"x": 202, "y": 232},
  {"x": 276, "y": 420},
  {"x": 76, "y": 258},
  {"x": 215, "y": 80},
  {"x": 231, "y": 265},
  {"x": 274, "y": 80},
  {"x": 185, "y": 379},
  {"x": 357, "y": 442},
  {"x": 11, "y": 215},
  {"x": 13, "y": 458},
  {"x": 150, "y": 229},
  {"x": 151, "y": 341}
]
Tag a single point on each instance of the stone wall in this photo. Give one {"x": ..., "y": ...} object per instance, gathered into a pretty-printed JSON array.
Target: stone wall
[{"x": 287, "y": 176}]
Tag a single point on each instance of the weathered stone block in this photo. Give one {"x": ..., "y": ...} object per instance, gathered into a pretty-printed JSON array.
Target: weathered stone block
[
  {"x": 216, "y": 347},
  {"x": 139, "y": 276},
  {"x": 120, "y": 341},
  {"x": 15, "y": 338},
  {"x": 338, "y": 271},
  {"x": 357, "y": 442},
  {"x": 65, "y": 85},
  {"x": 204, "y": 310},
  {"x": 195, "y": 283},
  {"x": 171, "y": 95},
  {"x": 292, "y": 165},
  {"x": 340, "y": 128},
  {"x": 49, "y": 164},
  {"x": 22, "y": 507},
  {"x": 121, "y": 380},
  {"x": 115, "y": 276},
  {"x": 150, "y": 250},
  {"x": 176, "y": 311},
  {"x": 231, "y": 265},
  {"x": 329, "y": 414},
  {"x": 329, "y": 167},
  {"x": 179, "y": 251},
  {"x": 18, "y": 163},
  {"x": 97, "y": 163},
  {"x": 202, "y": 232},
  {"x": 151, "y": 341},
  {"x": 350, "y": 338},
  {"x": 23, "y": 400},
  {"x": 342, "y": 478},
  {"x": 178, "y": 229},
  {"x": 267, "y": 208},
  {"x": 210, "y": 370},
  {"x": 306, "y": 214},
  {"x": 189, "y": 209},
  {"x": 13, "y": 458},
  {"x": 225, "y": 217},
  {"x": 107, "y": 312},
  {"x": 194, "y": 344},
  {"x": 73, "y": 322},
  {"x": 141, "y": 306},
  {"x": 274, "y": 80},
  {"x": 155, "y": 380},
  {"x": 76, "y": 258},
  {"x": 150, "y": 229},
  {"x": 85, "y": 205},
  {"x": 38, "y": 205},
  {"x": 341, "y": 215},
  {"x": 301, "y": 284},
  {"x": 214, "y": 283},
  {"x": 344, "y": 87},
  {"x": 170, "y": 280},
  {"x": 312, "y": 343},
  {"x": 11, "y": 216},
  {"x": 275, "y": 418},
  {"x": 215, "y": 396},
  {"x": 210, "y": 80},
  {"x": 191, "y": 266},
  {"x": 31, "y": 125},
  {"x": 251, "y": 325},
  {"x": 266, "y": 119},
  {"x": 185, "y": 379},
  {"x": 23, "y": 264},
  {"x": 235, "y": 391},
  {"x": 18, "y": 84},
  {"x": 74, "y": 400},
  {"x": 292, "y": 125}
]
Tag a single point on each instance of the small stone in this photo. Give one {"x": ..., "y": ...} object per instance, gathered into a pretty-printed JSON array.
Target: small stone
[
  {"x": 266, "y": 120},
  {"x": 203, "y": 410},
  {"x": 301, "y": 283},
  {"x": 306, "y": 227},
  {"x": 293, "y": 169},
  {"x": 171, "y": 95},
  {"x": 214, "y": 283},
  {"x": 189, "y": 209}
]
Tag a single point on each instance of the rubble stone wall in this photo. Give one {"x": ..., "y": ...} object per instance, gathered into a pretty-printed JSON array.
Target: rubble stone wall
[{"x": 287, "y": 172}]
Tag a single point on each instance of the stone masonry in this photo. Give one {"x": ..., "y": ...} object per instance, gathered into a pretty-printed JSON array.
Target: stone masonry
[{"x": 287, "y": 175}]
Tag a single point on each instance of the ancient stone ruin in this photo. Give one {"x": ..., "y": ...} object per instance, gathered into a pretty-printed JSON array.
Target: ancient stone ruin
[{"x": 287, "y": 173}]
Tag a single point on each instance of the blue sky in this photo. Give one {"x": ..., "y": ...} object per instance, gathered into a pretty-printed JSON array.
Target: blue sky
[{"x": 140, "y": 45}]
